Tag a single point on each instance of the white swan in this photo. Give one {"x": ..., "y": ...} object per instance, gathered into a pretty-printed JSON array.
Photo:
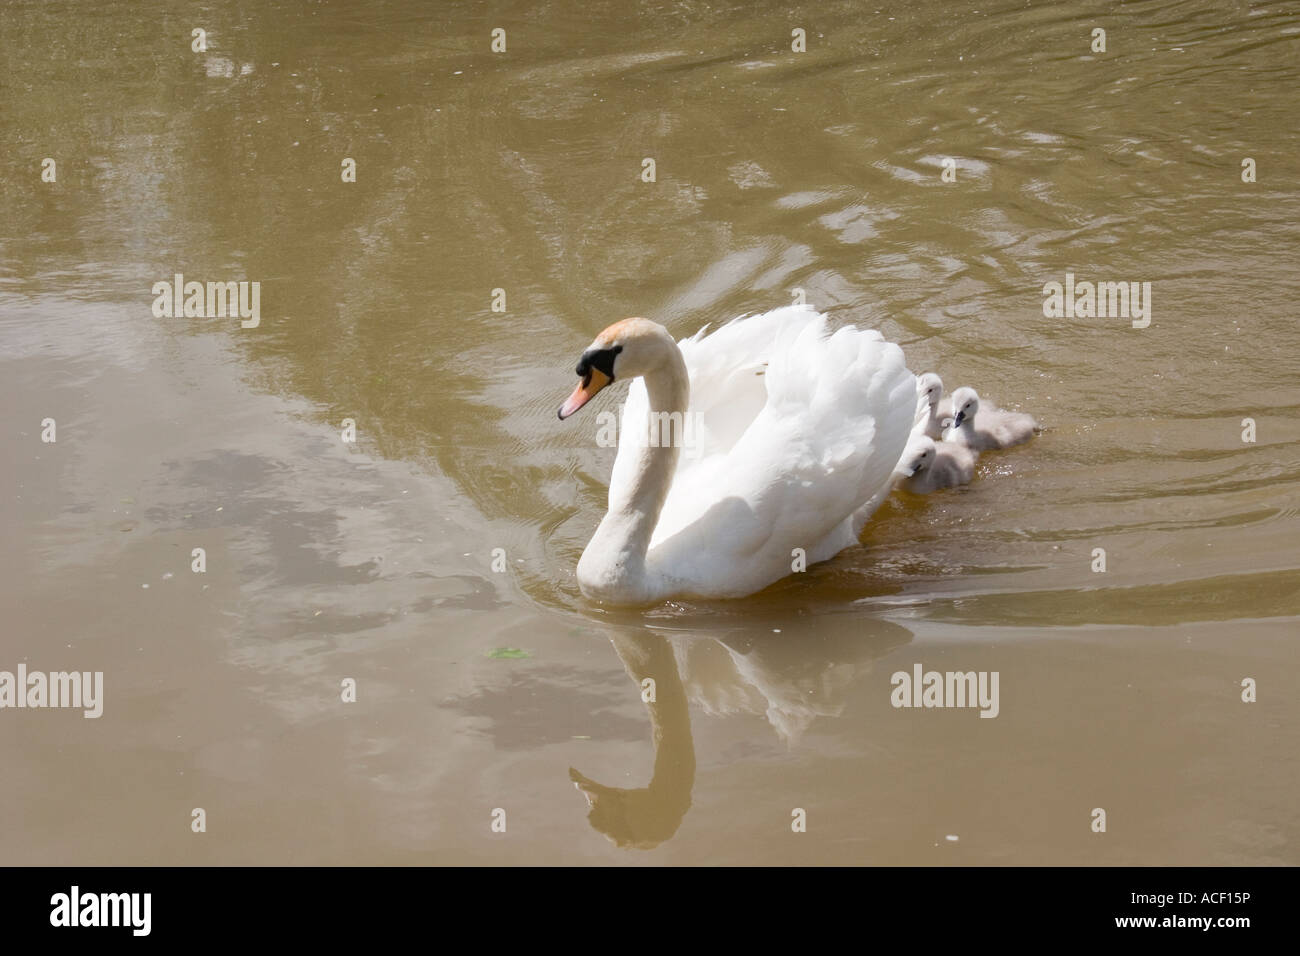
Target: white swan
[
  {"x": 985, "y": 427},
  {"x": 933, "y": 410},
  {"x": 792, "y": 435}
]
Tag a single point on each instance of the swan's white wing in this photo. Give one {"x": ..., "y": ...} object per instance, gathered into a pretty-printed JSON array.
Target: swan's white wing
[
  {"x": 728, "y": 370},
  {"x": 728, "y": 375},
  {"x": 838, "y": 412}
]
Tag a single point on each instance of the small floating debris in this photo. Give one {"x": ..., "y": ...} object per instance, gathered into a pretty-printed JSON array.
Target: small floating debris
[{"x": 507, "y": 653}]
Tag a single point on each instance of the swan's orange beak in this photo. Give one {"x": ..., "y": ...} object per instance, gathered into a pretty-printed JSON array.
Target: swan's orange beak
[{"x": 591, "y": 383}]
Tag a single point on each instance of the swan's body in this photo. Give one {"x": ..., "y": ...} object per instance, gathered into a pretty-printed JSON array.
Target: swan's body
[
  {"x": 944, "y": 464},
  {"x": 981, "y": 426},
  {"x": 794, "y": 434},
  {"x": 933, "y": 410}
]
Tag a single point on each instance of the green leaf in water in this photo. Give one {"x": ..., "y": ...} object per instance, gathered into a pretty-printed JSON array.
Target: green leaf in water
[{"x": 507, "y": 653}]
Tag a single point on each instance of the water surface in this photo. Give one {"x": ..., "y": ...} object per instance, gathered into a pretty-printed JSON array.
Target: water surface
[{"x": 522, "y": 171}]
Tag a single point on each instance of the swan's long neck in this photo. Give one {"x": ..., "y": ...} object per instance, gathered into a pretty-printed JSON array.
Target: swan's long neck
[{"x": 614, "y": 563}]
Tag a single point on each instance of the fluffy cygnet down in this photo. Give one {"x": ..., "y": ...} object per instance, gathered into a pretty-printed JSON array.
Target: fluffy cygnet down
[
  {"x": 934, "y": 465},
  {"x": 985, "y": 427}
]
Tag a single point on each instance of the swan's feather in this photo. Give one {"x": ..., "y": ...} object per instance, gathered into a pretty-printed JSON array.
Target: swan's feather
[{"x": 797, "y": 429}]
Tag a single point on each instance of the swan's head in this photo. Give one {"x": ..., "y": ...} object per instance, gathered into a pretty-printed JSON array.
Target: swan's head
[
  {"x": 917, "y": 456},
  {"x": 965, "y": 403},
  {"x": 626, "y": 349},
  {"x": 930, "y": 387}
]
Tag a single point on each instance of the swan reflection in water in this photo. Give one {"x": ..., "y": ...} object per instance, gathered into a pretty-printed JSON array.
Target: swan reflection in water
[{"x": 791, "y": 680}]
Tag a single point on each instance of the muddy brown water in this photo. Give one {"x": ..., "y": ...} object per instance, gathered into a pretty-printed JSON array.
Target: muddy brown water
[{"x": 775, "y": 171}]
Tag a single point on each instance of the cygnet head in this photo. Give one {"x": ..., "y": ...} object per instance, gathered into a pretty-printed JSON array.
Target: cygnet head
[
  {"x": 917, "y": 456},
  {"x": 626, "y": 349},
  {"x": 930, "y": 387},
  {"x": 965, "y": 403}
]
